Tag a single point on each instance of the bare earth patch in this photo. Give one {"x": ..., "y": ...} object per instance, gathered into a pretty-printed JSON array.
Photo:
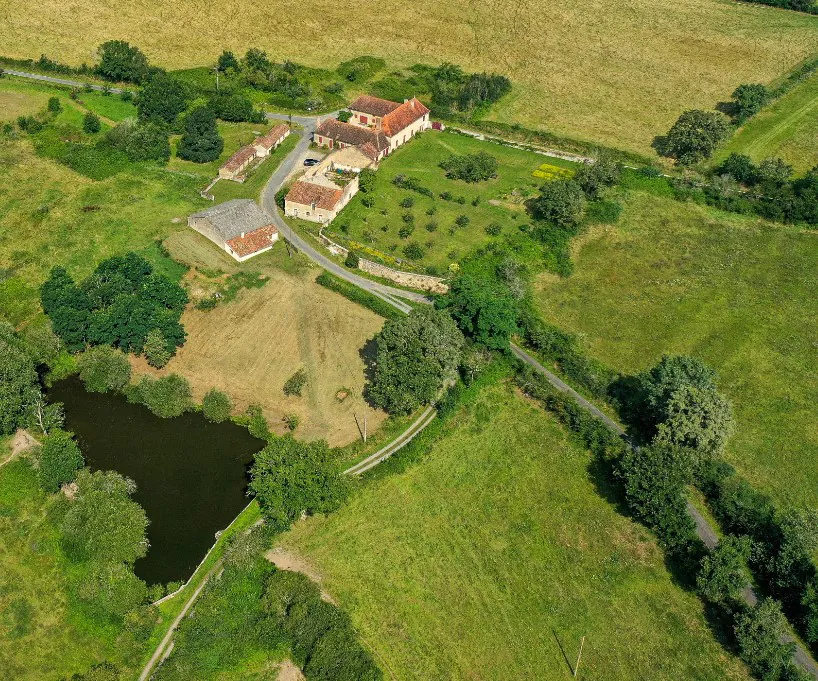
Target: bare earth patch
[
  {"x": 285, "y": 559},
  {"x": 249, "y": 347},
  {"x": 22, "y": 442},
  {"x": 287, "y": 671}
]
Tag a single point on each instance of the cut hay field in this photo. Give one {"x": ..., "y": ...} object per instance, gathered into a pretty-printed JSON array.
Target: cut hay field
[
  {"x": 617, "y": 73},
  {"x": 787, "y": 129},
  {"x": 495, "y": 554},
  {"x": 250, "y": 346},
  {"x": 735, "y": 291}
]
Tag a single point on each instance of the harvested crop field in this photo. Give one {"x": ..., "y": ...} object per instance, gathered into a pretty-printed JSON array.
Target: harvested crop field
[
  {"x": 250, "y": 346},
  {"x": 615, "y": 73}
]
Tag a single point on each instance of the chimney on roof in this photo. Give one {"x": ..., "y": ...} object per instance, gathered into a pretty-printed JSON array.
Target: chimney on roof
[{"x": 242, "y": 235}]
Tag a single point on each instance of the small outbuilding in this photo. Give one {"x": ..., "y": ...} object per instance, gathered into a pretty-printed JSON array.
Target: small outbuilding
[{"x": 239, "y": 226}]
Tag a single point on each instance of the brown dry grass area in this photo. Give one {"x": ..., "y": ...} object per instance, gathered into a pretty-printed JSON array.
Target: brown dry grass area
[
  {"x": 618, "y": 73},
  {"x": 249, "y": 347}
]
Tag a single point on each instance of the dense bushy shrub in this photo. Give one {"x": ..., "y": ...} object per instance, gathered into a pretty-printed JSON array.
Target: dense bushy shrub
[
  {"x": 358, "y": 295},
  {"x": 295, "y": 383},
  {"x": 470, "y": 167},
  {"x": 352, "y": 260},
  {"x": 118, "y": 304},
  {"x": 104, "y": 369},
  {"x": 561, "y": 202},
  {"x": 723, "y": 572},
  {"x": 655, "y": 480},
  {"x": 413, "y": 251},
  {"x": 58, "y": 458},
  {"x": 201, "y": 141},
  {"x": 227, "y": 60},
  {"x": 143, "y": 141},
  {"x": 695, "y": 136},
  {"x": 758, "y": 633},
  {"x": 416, "y": 354},
  {"x": 216, "y": 406},
  {"x": 91, "y": 123},
  {"x": 167, "y": 396},
  {"x": 289, "y": 478},
  {"x": 456, "y": 91},
  {"x": 236, "y": 107},
  {"x": 594, "y": 177}
]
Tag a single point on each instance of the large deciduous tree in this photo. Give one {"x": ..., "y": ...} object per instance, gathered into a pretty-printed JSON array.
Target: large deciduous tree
[
  {"x": 161, "y": 99},
  {"x": 483, "y": 309},
  {"x": 289, "y": 478},
  {"x": 120, "y": 61},
  {"x": 748, "y": 99},
  {"x": 695, "y": 136},
  {"x": 723, "y": 572},
  {"x": 415, "y": 355},
  {"x": 683, "y": 406},
  {"x": 758, "y": 634},
  {"x": 19, "y": 387},
  {"x": 201, "y": 142},
  {"x": 103, "y": 524}
]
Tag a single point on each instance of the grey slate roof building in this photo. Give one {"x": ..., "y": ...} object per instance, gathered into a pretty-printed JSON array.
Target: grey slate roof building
[{"x": 238, "y": 226}]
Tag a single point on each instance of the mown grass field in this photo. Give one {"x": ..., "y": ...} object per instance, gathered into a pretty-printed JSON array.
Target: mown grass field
[
  {"x": 250, "y": 346},
  {"x": 787, "y": 129},
  {"x": 614, "y": 73},
  {"x": 43, "y": 635},
  {"x": 492, "y": 557},
  {"x": 500, "y": 201},
  {"x": 738, "y": 293}
]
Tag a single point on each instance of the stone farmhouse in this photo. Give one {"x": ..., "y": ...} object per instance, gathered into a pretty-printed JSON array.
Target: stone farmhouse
[
  {"x": 383, "y": 124},
  {"x": 234, "y": 167},
  {"x": 376, "y": 128},
  {"x": 239, "y": 226},
  {"x": 326, "y": 188}
]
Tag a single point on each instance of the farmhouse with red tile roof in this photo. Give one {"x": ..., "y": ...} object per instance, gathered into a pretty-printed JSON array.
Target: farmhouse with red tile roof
[
  {"x": 239, "y": 226},
  {"x": 388, "y": 124},
  {"x": 234, "y": 167}
]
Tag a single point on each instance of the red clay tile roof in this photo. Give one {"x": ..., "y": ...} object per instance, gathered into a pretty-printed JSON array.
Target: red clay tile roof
[
  {"x": 306, "y": 194},
  {"x": 253, "y": 242},
  {"x": 374, "y": 106},
  {"x": 238, "y": 159},
  {"x": 402, "y": 117},
  {"x": 368, "y": 149},
  {"x": 269, "y": 140},
  {"x": 353, "y": 135}
]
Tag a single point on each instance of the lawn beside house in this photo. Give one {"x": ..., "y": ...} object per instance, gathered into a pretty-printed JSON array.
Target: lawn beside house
[
  {"x": 503, "y": 504},
  {"x": 737, "y": 292}
]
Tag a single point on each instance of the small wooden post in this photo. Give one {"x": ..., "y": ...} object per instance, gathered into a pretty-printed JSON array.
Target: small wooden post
[
  {"x": 579, "y": 657},
  {"x": 364, "y": 424}
]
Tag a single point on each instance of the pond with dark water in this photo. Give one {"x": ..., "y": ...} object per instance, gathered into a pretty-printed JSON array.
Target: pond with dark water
[{"x": 191, "y": 475}]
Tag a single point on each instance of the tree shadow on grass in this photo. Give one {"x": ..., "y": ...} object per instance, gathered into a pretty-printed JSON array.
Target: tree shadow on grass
[{"x": 368, "y": 353}]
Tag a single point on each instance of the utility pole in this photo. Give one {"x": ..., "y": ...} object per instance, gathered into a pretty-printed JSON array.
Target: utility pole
[
  {"x": 216, "y": 69},
  {"x": 579, "y": 657},
  {"x": 364, "y": 424}
]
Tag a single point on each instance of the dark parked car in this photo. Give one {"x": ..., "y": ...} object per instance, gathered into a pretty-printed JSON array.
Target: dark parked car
[{"x": 311, "y": 161}]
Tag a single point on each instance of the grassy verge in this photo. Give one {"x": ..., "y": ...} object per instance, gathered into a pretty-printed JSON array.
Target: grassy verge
[
  {"x": 787, "y": 129},
  {"x": 497, "y": 552},
  {"x": 358, "y": 295}
]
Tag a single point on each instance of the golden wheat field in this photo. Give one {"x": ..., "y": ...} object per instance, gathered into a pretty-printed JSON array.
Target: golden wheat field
[{"x": 614, "y": 72}]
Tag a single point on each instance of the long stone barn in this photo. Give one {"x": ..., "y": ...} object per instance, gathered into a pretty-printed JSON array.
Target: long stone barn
[{"x": 239, "y": 226}]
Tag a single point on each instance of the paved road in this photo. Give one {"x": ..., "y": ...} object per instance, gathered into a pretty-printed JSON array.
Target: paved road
[
  {"x": 58, "y": 81},
  {"x": 393, "y": 296}
]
